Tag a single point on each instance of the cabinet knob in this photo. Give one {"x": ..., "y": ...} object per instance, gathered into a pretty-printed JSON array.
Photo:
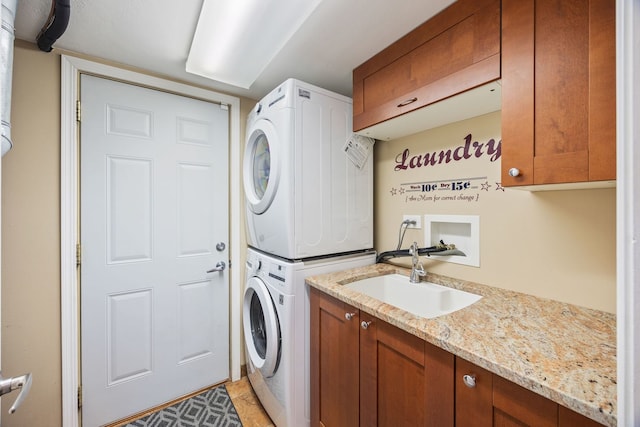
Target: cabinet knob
[
  {"x": 514, "y": 172},
  {"x": 469, "y": 380},
  {"x": 364, "y": 324},
  {"x": 349, "y": 316}
]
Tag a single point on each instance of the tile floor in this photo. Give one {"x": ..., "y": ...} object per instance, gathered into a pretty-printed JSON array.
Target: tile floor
[{"x": 247, "y": 404}]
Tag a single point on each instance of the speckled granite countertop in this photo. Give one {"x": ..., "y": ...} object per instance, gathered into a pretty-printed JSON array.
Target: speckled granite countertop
[{"x": 561, "y": 351}]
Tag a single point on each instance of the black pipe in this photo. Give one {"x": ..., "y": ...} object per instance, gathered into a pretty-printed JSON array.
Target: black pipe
[
  {"x": 56, "y": 24},
  {"x": 405, "y": 252}
]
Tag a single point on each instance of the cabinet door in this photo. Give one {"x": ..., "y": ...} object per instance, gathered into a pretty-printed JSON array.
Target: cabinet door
[
  {"x": 486, "y": 400},
  {"x": 474, "y": 397},
  {"x": 334, "y": 362},
  {"x": 558, "y": 91},
  {"x": 403, "y": 380},
  {"x": 454, "y": 51},
  {"x": 516, "y": 406},
  {"x": 569, "y": 418}
]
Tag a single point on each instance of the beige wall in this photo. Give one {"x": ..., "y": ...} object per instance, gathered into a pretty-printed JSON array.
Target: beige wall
[
  {"x": 31, "y": 240},
  {"x": 31, "y": 237},
  {"x": 553, "y": 244}
]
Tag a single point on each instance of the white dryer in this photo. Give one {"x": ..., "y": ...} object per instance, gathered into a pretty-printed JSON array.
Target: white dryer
[
  {"x": 276, "y": 328},
  {"x": 304, "y": 196}
]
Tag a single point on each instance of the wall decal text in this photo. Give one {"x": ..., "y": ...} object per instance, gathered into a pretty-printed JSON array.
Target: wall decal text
[
  {"x": 447, "y": 190},
  {"x": 469, "y": 149}
]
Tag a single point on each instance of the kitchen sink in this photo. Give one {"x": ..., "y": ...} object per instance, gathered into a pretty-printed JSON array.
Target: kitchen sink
[{"x": 423, "y": 299}]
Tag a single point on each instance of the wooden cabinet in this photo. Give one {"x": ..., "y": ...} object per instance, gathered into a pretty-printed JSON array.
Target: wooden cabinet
[
  {"x": 486, "y": 399},
  {"x": 456, "y": 50},
  {"x": 558, "y": 91},
  {"x": 403, "y": 380},
  {"x": 334, "y": 364},
  {"x": 367, "y": 372},
  {"x": 473, "y": 404},
  {"x": 569, "y": 418}
]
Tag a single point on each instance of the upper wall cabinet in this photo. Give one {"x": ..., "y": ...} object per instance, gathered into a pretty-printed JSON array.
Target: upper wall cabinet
[
  {"x": 456, "y": 50},
  {"x": 558, "y": 92}
]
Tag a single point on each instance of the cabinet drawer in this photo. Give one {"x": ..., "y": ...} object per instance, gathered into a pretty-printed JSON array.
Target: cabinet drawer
[{"x": 456, "y": 50}]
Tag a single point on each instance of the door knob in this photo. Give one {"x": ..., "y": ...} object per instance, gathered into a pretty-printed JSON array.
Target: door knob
[
  {"x": 219, "y": 267},
  {"x": 514, "y": 172},
  {"x": 7, "y": 385}
]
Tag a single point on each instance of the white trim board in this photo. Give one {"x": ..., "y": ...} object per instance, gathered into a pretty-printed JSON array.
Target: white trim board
[
  {"x": 627, "y": 208},
  {"x": 69, "y": 205}
]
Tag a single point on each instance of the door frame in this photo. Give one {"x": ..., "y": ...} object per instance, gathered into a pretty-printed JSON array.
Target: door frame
[{"x": 71, "y": 67}]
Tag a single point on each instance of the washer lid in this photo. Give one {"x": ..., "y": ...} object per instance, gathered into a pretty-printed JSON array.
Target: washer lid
[
  {"x": 261, "y": 166},
  {"x": 261, "y": 327}
]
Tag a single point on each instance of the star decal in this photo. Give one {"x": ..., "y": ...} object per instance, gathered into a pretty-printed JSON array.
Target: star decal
[
  {"x": 402, "y": 190},
  {"x": 485, "y": 186},
  {"x": 499, "y": 186},
  {"x": 393, "y": 191}
]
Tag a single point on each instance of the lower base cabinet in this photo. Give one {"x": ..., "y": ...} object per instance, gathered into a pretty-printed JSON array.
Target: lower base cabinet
[
  {"x": 485, "y": 399},
  {"x": 367, "y": 372}
]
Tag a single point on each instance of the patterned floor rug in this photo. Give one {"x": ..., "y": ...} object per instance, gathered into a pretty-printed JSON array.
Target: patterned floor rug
[{"x": 212, "y": 408}]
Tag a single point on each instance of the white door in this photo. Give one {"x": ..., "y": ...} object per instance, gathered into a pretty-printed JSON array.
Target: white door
[{"x": 154, "y": 220}]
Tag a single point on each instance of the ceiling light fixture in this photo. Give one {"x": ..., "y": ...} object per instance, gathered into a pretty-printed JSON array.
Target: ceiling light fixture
[{"x": 236, "y": 39}]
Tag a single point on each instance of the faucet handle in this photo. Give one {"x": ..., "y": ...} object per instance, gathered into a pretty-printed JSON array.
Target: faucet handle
[{"x": 9, "y": 384}]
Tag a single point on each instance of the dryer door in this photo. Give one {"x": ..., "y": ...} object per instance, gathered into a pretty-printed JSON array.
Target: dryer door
[
  {"x": 261, "y": 168},
  {"x": 261, "y": 327}
]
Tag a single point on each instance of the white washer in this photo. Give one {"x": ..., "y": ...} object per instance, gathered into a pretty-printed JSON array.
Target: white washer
[
  {"x": 276, "y": 329},
  {"x": 304, "y": 196}
]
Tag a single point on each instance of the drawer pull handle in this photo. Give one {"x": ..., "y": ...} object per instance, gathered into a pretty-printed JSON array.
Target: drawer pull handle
[
  {"x": 407, "y": 102},
  {"x": 514, "y": 172},
  {"x": 364, "y": 324},
  {"x": 469, "y": 380},
  {"x": 349, "y": 316}
]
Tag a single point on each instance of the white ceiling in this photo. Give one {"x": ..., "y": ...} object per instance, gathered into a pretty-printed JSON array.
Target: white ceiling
[{"x": 156, "y": 35}]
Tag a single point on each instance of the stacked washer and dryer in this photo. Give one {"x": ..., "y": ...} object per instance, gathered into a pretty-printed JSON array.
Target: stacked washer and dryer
[{"x": 309, "y": 211}]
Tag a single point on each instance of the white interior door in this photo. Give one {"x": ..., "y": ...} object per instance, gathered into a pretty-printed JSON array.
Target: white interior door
[{"x": 154, "y": 220}]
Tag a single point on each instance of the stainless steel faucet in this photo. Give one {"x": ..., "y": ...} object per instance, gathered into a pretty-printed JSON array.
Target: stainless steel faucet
[
  {"x": 9, "y": 384},
  {"x": 417, "y": 270}
]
